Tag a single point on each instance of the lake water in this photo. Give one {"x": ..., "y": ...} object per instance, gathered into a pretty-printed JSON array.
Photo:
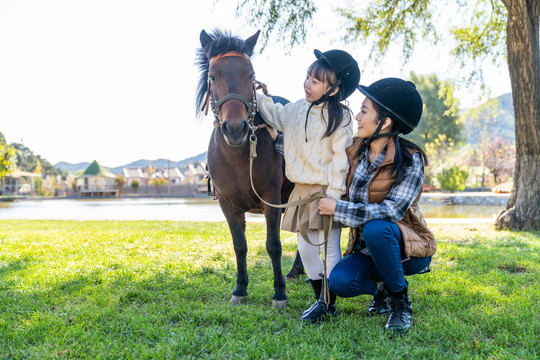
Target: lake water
[{"x": 179, "y": 209}]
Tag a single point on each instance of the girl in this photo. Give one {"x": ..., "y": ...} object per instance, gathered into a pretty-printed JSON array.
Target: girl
[
  {"x": 389, "y": 237},
  {"x": 316, "y": 132}
]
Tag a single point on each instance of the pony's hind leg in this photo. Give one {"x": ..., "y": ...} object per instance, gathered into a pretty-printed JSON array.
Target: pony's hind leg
[
  {"x": 297, "y": 268},
  {"x": 237, "y": 226},
  {"x": 273, "y": 247}
]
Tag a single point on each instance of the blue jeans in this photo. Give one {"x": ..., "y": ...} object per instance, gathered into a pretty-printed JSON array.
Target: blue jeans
[{"x": 357, "y": 274}]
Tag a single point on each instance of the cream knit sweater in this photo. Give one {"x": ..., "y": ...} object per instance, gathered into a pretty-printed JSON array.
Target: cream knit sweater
[{"x": 310, "y": 158}]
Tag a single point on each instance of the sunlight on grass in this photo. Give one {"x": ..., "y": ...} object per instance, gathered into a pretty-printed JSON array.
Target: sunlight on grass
[{"x": 145, "y": 289}]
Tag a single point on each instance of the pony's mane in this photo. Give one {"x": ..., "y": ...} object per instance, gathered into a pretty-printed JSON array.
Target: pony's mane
[{"x": 222, "y": 42}]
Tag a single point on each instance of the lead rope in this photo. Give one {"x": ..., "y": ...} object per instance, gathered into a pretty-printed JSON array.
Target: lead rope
[{"x": 327, "y": 219}]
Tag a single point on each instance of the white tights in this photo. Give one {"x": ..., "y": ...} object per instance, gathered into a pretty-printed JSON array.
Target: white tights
[{"x": 311, "y": 258}]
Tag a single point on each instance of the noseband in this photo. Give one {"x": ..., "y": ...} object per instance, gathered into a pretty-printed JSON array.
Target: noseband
[{"x": 251, "y": 106}]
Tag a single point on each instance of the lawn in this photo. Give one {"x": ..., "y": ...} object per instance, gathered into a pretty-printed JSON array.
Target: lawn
[{"x": 160, "y": 290}]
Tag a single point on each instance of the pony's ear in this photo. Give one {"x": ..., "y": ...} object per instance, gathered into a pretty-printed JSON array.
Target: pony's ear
[
  {"x": 205, "y": 39},
  {"x": 251, "y": 41}
]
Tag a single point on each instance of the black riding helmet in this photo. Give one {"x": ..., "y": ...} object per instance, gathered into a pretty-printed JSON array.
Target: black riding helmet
[
  {"x": 400, "y": 98},
  {"x": 346, "y": 69}
]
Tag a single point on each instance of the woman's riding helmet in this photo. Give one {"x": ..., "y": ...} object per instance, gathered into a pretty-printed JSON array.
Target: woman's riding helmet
[
  {"x": 400, "y": 98},
  {"x": 346, "y": 69}
]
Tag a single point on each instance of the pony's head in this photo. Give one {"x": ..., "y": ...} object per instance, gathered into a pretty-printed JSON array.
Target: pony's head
[{"x": 226, "y": 84}]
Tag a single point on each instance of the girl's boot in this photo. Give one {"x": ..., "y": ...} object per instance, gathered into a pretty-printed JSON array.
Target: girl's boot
[{"x": 319, "y": 310}]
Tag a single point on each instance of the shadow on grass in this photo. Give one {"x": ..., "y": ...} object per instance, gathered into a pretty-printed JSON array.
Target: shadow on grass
[
  {"x": 114, "y": 310},
  {"x": 115, "y": 285},
  {"x": 8, "y": 268}
]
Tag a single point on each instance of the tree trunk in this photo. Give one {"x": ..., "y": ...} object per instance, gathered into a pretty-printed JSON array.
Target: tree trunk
[{"x": 523, "y": 209}]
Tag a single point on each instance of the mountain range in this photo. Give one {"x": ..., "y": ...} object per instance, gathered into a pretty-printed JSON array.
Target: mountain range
[
  {"x": 142, "y": 163},
  {"x": 492, "y": 121}
]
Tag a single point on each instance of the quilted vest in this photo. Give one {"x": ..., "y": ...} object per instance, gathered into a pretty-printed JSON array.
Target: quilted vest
[{"x": 418, "y": 239}]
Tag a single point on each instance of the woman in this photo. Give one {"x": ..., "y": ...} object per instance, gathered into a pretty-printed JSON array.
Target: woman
[{"x": 389, "y": 237}]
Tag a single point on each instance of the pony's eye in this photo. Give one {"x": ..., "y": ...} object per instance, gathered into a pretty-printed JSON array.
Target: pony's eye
[
  {"x": 252, "y": 77},
  {"x": 211, "y": 78}
]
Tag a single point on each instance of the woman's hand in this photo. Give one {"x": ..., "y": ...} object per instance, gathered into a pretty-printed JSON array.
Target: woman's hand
[{"x": 327, "y": 206}]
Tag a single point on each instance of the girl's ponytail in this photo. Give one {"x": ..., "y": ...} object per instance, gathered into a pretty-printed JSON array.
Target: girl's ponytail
[{"x": 336, "y": 113}]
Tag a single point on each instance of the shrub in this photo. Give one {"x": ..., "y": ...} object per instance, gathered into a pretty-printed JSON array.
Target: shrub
[
  {"x": 135, "y": 184},
  {"x": 159, "y": 183},
  {"x": 453, "y": 178}
]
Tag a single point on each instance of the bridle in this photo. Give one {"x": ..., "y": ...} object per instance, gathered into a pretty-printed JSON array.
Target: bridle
[{"x": 210, "y": 101}]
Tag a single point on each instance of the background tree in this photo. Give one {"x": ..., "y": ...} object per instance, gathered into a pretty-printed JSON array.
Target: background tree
[
  {"x": 150, "y": 171},
  {"x": 27, "y": 161},
  {"x": 120, "y": 181},
  {"x": 8, "y": 159},
  {"x": 487, "y": 127},
  {"x": 38, "y": 170},
  {"x": 159, "y": 183},
  {"x": 453, "y": 178},
  {"x": 38, "y": 186},
  {"x": 438, "y": 151},
  {"x": 135, "y": 184},
  {"x": 473, "y": 160},
  {"x": 440, "y": 114},
  {"x": 483, "y": 30},
  {"x": 499, "y": 158}
]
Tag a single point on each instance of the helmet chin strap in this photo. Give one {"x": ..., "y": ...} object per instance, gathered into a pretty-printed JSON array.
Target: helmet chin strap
[
  {"x": 376, "y": 136},
  {"x": 326, "y": 96}
]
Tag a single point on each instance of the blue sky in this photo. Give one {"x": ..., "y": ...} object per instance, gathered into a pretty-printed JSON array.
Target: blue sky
[{"x": 114, "y": 80}]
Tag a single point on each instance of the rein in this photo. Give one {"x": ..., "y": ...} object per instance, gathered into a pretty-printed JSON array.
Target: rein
[{"x": 302, "y": 203}]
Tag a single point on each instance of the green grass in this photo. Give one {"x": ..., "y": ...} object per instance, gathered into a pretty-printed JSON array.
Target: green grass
[{"x": 160, "y": 290}]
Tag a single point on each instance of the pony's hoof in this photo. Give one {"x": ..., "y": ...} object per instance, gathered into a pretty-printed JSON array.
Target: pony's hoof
[
  {"x": 235, "y": 300},
  {"x": 279, "y": 304},
  {"x": 290, "y": 276},
  {"x": 294, "y": 274}
]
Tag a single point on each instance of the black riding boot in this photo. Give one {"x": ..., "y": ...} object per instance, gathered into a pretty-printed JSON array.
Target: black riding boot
[
  {"x": 317, "y": 287},
  {"x": 381, "y": 301},
  {"x": 317, "y": 290},
  {"x": 318, "y": 311},
  {"x": 401, "y": 314}
]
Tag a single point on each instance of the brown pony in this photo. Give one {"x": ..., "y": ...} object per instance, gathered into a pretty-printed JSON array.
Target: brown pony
[{"x": 227, "y": 86}]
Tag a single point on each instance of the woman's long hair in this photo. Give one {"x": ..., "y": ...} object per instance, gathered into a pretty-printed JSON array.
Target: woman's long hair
[
  {"x": 321, "y": 71},
  {"x": 402, "y": 157}
]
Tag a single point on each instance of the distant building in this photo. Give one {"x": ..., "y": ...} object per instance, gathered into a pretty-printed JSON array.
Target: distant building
[
  {"x": 195, "y": 172},
  {"x": 174, "y": 176},
  {"x": 96, "y": 181},
  {"x": 17, "y": 183},
  {"x": 133, "y": 174}
]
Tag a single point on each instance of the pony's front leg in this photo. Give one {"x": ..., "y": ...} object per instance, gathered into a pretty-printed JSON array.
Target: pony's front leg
[
  {"x": 237, "y": 226},
  {"x": 273, "y": 247}
]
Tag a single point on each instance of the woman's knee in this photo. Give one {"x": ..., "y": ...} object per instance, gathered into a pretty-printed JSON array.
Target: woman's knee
[
  {"x": 377, "y": 233},
  {"x": 415, "y": 266},
  {"x": 351, "y": 276},
  {"x": 348, "y": 287},
  {"x": 340, "y": 283}
]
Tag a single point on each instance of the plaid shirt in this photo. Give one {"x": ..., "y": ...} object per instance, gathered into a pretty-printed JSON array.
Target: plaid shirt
[
  {"x": 358, "y": 211},
  {"x": 278, "y": 144}
]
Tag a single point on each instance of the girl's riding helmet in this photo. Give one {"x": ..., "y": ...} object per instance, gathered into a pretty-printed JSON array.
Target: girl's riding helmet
[
  {"x": 346, "y": 69},
  {"x": 400, "y": 98}
]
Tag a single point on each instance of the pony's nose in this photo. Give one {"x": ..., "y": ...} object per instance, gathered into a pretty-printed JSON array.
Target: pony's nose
[{"x": 235, "y": 133}]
